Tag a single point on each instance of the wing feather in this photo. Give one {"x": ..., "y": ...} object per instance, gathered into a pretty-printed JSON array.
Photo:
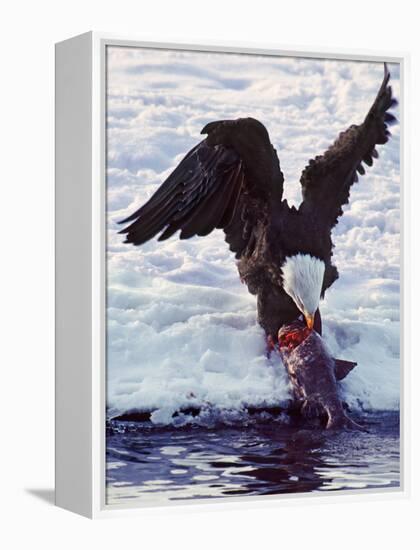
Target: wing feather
[
  {"x": 210, "y": 184},
  {"x": 327, "y": 180}
]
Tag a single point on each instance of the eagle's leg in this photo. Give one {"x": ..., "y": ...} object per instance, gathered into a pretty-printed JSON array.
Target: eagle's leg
[
  {"x": 274, "y": 311},
  {"x": 271, "y": 345}
]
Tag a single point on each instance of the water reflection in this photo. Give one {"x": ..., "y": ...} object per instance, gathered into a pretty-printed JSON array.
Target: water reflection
[{"x": 153, "y": 465}]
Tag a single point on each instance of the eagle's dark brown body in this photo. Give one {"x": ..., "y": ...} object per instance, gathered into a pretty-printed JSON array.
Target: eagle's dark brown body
[
  {"x": 259, "y": 268},
  {"x": 232, "y": 181}
]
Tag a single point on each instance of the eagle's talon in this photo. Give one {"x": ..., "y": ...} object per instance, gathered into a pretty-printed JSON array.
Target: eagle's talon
[{"x": 271, "y": 345}]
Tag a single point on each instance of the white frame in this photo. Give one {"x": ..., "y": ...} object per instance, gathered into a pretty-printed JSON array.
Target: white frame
[{"x": 81, "y": 269}]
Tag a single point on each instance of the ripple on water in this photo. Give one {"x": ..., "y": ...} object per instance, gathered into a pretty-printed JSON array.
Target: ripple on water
[{"x": 158, "y": 466}]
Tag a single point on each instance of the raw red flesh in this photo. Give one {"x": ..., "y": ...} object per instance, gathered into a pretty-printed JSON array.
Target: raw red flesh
[{"x": 293, "y": 338}]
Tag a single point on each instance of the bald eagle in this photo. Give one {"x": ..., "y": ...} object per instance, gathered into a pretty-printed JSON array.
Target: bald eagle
[{"x": 232, "y": 181}]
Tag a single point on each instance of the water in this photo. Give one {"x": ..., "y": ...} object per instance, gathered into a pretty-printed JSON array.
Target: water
[{"x": 157, "y": 465}]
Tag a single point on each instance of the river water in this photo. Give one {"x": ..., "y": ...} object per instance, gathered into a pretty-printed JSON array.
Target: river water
[{"x": 151, "y": 465}]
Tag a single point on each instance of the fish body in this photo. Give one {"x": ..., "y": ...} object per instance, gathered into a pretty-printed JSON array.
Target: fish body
[{"x": 313, "y": 373}]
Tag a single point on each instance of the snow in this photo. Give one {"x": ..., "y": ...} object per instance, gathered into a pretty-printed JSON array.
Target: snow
[{"x": 182, "y": 329}]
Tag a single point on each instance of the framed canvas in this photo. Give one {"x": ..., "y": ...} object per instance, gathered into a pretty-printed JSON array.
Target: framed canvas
[{"x": 229, "y": 274}]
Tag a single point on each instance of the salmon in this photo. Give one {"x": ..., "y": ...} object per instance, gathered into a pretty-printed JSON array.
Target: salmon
[{"x": 314, "y": 373}]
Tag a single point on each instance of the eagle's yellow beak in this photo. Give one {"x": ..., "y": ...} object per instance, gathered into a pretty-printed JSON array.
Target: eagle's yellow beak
[{"x": 309, "y": 320}]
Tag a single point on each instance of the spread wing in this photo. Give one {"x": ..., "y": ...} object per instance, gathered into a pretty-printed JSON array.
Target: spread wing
[
  {"x": 326, "y": 181},
  {"x": 225, "y": 182}
]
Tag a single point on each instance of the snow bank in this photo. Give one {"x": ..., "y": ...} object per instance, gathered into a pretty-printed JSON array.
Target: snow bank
[{"x": 182, "y": 329}]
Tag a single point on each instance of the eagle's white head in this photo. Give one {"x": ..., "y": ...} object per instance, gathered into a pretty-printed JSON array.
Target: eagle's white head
[{"x": 302, "y": 280}]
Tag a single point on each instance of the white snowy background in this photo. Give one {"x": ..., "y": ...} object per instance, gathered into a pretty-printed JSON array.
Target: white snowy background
[{"x": 182, "y": 329}]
